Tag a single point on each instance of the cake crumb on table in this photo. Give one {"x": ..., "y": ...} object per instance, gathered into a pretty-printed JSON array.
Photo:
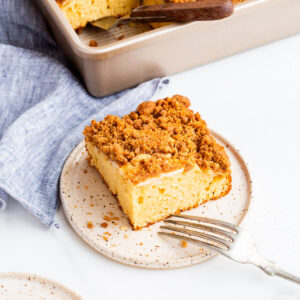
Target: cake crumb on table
[
  {"x": 78, "y": 30},
  {"x": 93, "y": 43},
  {"x": 89, "y": 225},
  {"x": 184, "y": 244},
  {"x": 121, "y": 37},
  {"x": 104, "y": 225},
  {"x": 107, "y": 218}
]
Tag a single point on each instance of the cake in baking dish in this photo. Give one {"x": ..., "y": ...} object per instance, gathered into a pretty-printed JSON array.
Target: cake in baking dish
[
  {"x": 81, "y": 12},
  {"x": 158, "y": 160}
]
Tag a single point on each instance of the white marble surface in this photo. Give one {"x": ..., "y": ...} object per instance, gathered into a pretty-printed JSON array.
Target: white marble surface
[{"x": 253, "y": 99}]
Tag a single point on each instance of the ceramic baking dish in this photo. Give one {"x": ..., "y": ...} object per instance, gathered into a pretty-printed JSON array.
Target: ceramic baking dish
[{"x": 132, "y": 54}]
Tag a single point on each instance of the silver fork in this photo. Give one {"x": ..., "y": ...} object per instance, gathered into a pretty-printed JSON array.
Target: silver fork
[{"x": 227, "y": 239}]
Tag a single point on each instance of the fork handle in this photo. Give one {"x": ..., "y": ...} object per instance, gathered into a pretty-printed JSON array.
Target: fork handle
[{"x": 272, "y": 269}]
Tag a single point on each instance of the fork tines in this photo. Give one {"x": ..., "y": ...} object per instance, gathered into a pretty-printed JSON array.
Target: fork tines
[{"x": 213, "y": 234}]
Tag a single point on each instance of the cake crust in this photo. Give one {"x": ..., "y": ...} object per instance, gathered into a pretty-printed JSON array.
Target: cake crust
[{"x": 158, "y": 137}]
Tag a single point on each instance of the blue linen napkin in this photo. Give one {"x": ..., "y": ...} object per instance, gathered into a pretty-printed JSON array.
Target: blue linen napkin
[{"x": 43, "y": 109}]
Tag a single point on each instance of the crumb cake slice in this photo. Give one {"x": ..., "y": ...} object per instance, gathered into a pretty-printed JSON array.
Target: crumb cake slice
[{"x": 159, "y": 160}]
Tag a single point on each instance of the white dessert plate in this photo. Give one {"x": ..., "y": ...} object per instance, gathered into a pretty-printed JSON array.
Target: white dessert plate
[
  {"x": 95, "y": 215},
  {"x": 23, "y": 286}
]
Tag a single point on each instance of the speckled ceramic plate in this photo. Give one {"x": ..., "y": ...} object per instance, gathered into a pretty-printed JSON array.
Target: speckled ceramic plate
[
  {"x": 22, "y": 286},
  {"x": 95, "y": 215}
]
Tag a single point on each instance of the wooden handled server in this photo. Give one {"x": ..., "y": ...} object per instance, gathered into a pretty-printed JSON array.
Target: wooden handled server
[{"x": 200, "y": 10}]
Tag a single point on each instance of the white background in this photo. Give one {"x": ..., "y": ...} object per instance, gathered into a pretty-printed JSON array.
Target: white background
[{"x": 252, "y": 99}]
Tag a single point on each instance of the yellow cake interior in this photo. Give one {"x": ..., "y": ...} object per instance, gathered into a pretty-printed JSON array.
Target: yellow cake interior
[
  {"x": 158, "y": 197},
  {"x": 81, "y": 12}
]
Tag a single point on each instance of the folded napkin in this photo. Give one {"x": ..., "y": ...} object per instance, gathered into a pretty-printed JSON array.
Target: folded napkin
[{"x": 43, "y": 109}]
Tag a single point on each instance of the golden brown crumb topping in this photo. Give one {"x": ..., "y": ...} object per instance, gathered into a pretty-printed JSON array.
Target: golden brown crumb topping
[
  {"x": 104, "y": 225},
  {"x": 184, "y": 244},
  {"x": 93, "y": 43},
  {"x": 90, "y": 225},
  {"x": 158, "y": 137}
]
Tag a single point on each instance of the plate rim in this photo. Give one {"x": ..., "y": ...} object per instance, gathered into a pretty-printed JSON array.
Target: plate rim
[
  {"x": 24, "y": 275},
  {"x": 78, "y": 230}
]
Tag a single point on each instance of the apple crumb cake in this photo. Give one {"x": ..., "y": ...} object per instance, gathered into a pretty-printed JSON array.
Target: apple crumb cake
[{"x": 158, "y": 160}]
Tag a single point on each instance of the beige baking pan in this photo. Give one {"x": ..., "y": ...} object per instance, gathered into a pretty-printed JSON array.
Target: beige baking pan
[{"x": 132, "y": 54}]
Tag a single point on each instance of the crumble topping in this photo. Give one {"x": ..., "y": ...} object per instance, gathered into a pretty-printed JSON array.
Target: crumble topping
[
  {"x": 184, "y": 244},
  {"x": 104, "y": 225},
  {"x": 158, "y": 137},
  {"x": 90, "y": 225},
  {"x": 93, "y": 43}
]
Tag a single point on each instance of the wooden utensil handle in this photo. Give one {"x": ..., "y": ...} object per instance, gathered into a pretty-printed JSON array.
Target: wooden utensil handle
[{"x": 201, "y": 10}]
